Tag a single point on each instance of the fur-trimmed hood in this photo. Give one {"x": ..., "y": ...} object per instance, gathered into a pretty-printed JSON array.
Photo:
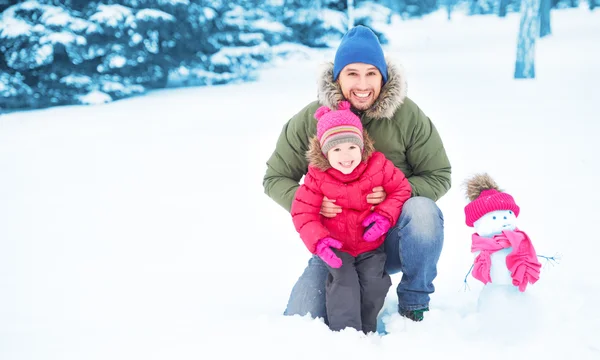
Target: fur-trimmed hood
[
  {"x": 390, "y": 99},
  {"x": 315, "y": 156}
]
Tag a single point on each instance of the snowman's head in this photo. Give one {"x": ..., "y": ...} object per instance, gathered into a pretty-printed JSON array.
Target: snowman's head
[
  {"x": 489, "y": 201},
  {"x": 494, "y": 222}
]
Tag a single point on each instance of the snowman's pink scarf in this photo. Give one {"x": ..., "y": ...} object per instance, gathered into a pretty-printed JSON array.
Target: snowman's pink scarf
[{"x": 522, "y": 262}]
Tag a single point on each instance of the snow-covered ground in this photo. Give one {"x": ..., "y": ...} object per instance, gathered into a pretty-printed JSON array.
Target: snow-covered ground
[{"x": 140, "y": 230}]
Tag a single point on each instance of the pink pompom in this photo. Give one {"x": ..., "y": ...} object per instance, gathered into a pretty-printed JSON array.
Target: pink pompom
[
  {"x": 344, "y": 105},
  {"x": 321, "y": 111}
]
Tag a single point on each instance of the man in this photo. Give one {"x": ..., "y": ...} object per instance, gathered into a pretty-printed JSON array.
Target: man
[{"x": 377, "y": 91}]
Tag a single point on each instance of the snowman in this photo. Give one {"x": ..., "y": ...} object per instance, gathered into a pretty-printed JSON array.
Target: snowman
[{"x": 505, "y": 259}]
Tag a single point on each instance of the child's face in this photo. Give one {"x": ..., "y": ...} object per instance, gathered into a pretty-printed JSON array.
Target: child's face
[{"x": 345, "y": 157}]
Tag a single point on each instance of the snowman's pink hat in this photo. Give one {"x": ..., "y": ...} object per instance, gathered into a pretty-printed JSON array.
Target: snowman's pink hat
[{"x": 489, "y": 200}]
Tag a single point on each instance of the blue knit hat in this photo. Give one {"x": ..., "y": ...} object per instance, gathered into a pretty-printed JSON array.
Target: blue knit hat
[{"x": 360, "y": 45}]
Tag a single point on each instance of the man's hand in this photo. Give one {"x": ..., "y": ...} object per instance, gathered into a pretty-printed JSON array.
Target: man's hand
[
  {"x": 376, "y": 197},
  {"x": 329, "y": 209}
]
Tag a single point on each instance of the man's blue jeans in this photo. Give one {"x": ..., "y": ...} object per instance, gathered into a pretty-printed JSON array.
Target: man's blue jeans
[{"x": 412, "y": 247}]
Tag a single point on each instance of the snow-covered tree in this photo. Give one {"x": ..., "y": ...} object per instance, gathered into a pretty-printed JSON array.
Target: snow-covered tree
[
  {"x": 55, "y": 52},
  {"x": 315, "y": 27},
  {"x": 37, "y": 40},
  {"x": 528, "y": 31},
  {"x": 375, "y": 16},
  {"x": 105, "y": 47},
  {"x": 14, "y": 92}
]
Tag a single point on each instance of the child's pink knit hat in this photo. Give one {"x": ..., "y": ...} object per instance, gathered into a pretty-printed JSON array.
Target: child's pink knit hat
[{"x": 336, "y": 127}]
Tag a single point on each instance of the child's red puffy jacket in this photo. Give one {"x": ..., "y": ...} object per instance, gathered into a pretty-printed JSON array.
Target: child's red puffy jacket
[{"x": 350, "y": 192}]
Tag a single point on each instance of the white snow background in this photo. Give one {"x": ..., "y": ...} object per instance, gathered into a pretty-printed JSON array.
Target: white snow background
[{"x": 139, "y": 229}]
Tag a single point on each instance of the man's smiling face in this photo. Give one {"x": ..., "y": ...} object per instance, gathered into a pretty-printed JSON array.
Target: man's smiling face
[{"x": 361, "y": 84}]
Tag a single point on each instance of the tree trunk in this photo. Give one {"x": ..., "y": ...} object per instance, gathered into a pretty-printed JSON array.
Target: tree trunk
[
  {"x": 503, "y": 6},
  {"x": 350, "y": 14},
  {"x": 474, "y": 7},
  {"x": 449, "y": 6},
  {"x": 545, "y": 28},
  {"x": 528, "y": 31}
]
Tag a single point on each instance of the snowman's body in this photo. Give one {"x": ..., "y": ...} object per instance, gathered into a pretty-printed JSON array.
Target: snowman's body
[
  {"x": 500, "y": 295},
  {"x": 500, "y": 292}
]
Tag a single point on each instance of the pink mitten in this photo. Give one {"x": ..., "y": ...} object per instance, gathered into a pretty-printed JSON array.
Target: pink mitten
[
  {"x": 376, "y": 225},
  {"x": 324, "y": 251}
]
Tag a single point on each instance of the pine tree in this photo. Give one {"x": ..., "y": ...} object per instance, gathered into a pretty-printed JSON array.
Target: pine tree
[{"x": 55, "y": 52}]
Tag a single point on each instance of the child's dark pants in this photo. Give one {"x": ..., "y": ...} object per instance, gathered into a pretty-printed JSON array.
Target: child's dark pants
[{"x": 355, "y": 292}]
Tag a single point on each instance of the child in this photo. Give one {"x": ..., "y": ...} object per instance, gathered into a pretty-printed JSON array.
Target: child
[{"x": 344, "y": 166}]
